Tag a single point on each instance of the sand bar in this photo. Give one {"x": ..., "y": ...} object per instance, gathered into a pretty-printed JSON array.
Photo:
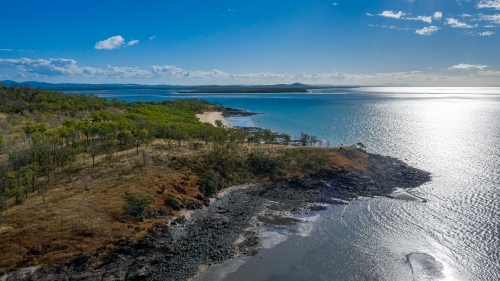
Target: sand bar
[{"x": 211, "y": 117}]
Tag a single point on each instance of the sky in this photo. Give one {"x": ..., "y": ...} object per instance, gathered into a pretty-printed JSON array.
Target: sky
[{"x": 340, "y": 42}]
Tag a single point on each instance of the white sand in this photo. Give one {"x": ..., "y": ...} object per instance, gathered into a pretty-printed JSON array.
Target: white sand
[{"x": 211, "y": 117}]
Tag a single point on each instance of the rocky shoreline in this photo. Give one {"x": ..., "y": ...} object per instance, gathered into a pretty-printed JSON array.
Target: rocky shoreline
[
  {"x": 223, "y": 229},
  {"x": 234, "y": 112}
]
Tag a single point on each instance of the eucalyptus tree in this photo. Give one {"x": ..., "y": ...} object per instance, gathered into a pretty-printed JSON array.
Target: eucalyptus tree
[
  {"x": 285, "y": 139},
  {"x": 29, "y": 129}
]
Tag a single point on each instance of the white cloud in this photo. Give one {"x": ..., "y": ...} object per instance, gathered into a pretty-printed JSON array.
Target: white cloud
[
  {"x": 110, "y": 43},
  {"x": 490, "y": 26},
  {"x": 427, "y": 19},
  {"x": 391, "y": 14},
  {"x": 457, "y": 24},
  {"x": 437, "y": 15},
  {"x": 370, "y": 15},
  {"x": 468, "y": 66},
  {"x": 401, "y": 15},
  {"x": 486, "y": 33},
  {"x": 152, "y": 37},
  {"x": 6, "y": 50},
  {"x": 168, "y": 71},
  {"x": 493, "y": 4},
  {"x": 389, "y": 27},
  {"x": 133, "y": 42},
  {"x": 335, "y": 4},
  {"x": 464, "y": 15},
  {"x": 492, "y": 18},
  {"x": 427, "y": 30},
  {"x": 127, "y": 72},
  {"x": 48, "y": 67}
]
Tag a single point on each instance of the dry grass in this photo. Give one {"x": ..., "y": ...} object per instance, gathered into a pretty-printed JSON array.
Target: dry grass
[{"x": 69, "y": 219}]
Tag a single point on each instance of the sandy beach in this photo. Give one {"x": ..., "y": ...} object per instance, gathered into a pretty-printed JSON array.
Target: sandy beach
[{"x": 211, "y": 117}]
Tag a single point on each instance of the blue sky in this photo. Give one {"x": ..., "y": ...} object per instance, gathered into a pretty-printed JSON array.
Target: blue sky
[{"x": 418, "y": 42}]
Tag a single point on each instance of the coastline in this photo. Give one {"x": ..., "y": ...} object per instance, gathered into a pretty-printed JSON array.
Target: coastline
[
  {"x": 229, "y": 225},
  {"x": 227, "y": 112}
]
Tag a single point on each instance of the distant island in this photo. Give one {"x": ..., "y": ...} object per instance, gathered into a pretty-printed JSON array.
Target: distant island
[
  {"x": 207, "y": 89},
  {"x": 280, "y": 88}
]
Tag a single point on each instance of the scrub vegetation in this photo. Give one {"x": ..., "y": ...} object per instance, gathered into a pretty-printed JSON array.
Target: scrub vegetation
[{"x": 79, "y": 172}]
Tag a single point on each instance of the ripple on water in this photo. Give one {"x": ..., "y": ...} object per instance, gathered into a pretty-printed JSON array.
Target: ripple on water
[{"x": 425, "y": 267}]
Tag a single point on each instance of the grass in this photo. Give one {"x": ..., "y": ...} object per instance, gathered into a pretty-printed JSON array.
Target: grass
[{"x": 71, "y": 219}]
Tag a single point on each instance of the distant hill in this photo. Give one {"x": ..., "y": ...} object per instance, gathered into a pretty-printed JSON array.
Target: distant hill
[
  {"x": 278, "y": 88},
  {"x": 77, "y": 86},
  {"x": 396, "y": 85}
]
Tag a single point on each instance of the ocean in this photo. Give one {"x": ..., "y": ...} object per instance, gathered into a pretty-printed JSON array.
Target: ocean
[{"x": 453, "y": 133}]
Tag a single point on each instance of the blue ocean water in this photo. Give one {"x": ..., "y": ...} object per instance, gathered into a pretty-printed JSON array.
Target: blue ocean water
[{"x": 451, "y": 132}]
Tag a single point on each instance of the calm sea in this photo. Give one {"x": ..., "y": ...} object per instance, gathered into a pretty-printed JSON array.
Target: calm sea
[{"x": 454, "y": 133}]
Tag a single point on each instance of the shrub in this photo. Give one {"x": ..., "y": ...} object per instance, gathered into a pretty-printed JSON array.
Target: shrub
[
  {"x": 211, "y": 182},
  {"x": 173, "y": 202},
  {"x": 138, "y": 205}
]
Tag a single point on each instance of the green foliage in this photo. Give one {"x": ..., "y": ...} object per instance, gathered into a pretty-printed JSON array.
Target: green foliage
[
  {"x": 138, "y": 205},
  {"x": 211, "y": 182},
  {"x": 173, "y": 202},
  {"x": 304, "y": 139},
  {"x": 2, "y": 142},
  {"x": 261, "y": 162},
  {"x": 95, "y": 126}
]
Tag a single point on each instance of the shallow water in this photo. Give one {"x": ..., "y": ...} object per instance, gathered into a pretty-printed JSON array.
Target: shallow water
[{"x": 454, "y": 133}]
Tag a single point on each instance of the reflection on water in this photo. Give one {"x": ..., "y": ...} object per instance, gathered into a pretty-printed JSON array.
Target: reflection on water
[
  {"x": 454, "y": 133},
  {"x": 453, "y": 236}
]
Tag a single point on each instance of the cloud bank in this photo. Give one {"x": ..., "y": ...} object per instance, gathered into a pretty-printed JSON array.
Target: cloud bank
[{"x": 67, "y": 70}]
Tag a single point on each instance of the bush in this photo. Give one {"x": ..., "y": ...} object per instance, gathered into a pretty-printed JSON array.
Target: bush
[
  {"x": 173, "y": 202},
  {"x": 211, "y": 182},
  {"x": 138, "y": 205}
]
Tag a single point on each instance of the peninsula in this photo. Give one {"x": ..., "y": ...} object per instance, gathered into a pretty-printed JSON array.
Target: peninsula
[{"x": 95, "y": 188}]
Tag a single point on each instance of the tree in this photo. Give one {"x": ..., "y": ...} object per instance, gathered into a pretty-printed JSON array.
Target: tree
[
  {"x": 12, "y": 188},
  {"x": 28, "y": 178},
  {"x": 141, "y": 137},
  {"x": 2, "y": 142},
  {"x": 304, "y": 139},
  {"x": 268, "y": 136},
  {"x": 125, "y": 137},
  {"x": 312, "y": 140},
  {"x": 218, "y": 123},
  {"x": 29, "y": 129},
  {"x": 94, "y": 149},
  {"x": 286, "y": 139}
]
